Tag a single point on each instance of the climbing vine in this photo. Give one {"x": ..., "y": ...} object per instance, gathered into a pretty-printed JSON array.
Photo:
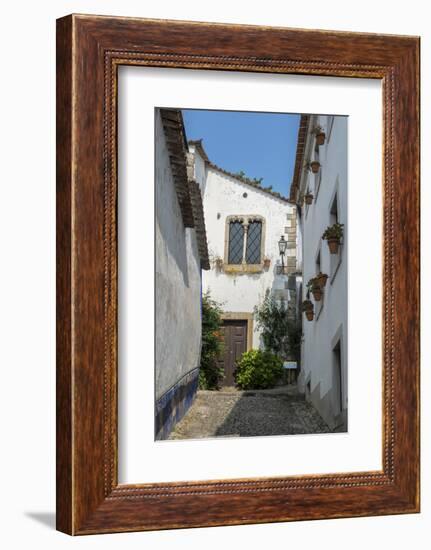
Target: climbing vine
[{"x": 281, "y": 335}]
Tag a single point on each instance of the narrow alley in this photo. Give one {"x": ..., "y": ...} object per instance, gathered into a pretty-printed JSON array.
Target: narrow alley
[{"x": 233, "y": 413}]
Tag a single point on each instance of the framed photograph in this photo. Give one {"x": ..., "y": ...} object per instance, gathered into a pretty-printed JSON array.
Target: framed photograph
[{"x": 237, "y": 274}]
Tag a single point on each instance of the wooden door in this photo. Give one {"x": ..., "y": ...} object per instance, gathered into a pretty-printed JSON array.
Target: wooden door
[{"x": 235, "y": 344}]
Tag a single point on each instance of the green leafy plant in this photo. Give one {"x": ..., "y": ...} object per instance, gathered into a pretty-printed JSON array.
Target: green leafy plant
[
  {"x": 210, "y": 372},
  {"x": 218, "y": 262},
  {"x": 317, "y": 130},
  {"x": 333, "y": 232},
  {"x": 258, "y": 369},
  {"x": 313, "y": 166},
  {"x": 308, "y": 198},
  {"x": 313, "y": 283},
  {"x": 308, "y": 308},
  {"x": 307, "y": 305},
  {"x": 322, "y": 278},
  {"x": 242, "y": 175},
  {"x": 320, "y": 135},
  {"x": 279, "y": 332},
  {"x": 314, "y": 286}
]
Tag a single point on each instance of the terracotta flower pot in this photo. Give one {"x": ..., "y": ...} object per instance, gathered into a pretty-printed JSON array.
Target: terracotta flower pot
[
  {"x": 317, "y": 293},
  {"x": 334, "y": 245},
  {"x": 308, "y": 198},
  {"x": 309, "y": 313},
  {"x": 315, "y": 165},
  {"x": 322, "y": 280},
  {"x": 219, "y": 263},
  {"x": 308, "y": 309},
  {"x": 320, "y": 138},
  {"x": 266, "y": 263}
]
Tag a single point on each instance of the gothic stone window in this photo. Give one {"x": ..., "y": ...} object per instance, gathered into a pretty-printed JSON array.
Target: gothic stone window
[{"x": 244, "y": 240}]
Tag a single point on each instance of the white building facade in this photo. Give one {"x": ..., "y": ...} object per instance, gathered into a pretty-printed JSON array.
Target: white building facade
[
  {"x": 244, "y": 223},
  {"x": 180, "y": 254},
  {"x": 321, "y": 198}
]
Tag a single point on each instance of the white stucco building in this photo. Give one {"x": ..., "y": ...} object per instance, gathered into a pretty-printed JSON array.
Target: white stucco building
[
  {"x": 181, "y": 253},
  {"x": 244, "y": 223},
  {"x": 323, "y": 375}
]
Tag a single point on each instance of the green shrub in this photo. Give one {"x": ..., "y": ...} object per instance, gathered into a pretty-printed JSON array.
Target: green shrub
[
  {"x": 210, "y": 372},
  {"x": 258, "y": 370}
]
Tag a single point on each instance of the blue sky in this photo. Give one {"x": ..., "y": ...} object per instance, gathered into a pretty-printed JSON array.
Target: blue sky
[{"x": 263, "y": 145}]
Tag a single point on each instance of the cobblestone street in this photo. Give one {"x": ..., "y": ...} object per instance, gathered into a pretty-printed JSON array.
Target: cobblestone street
[{"x": 232, "y": 413}]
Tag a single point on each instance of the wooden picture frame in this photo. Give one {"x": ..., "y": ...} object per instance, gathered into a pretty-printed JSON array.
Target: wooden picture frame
[{"x": 89, "y": 51}]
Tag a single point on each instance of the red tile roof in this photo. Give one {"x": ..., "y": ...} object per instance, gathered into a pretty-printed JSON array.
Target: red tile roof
[
  {"x": 173, "y": 127},
  {"x": 299, "y": 161},
  {"x": 188, "y": 191}
]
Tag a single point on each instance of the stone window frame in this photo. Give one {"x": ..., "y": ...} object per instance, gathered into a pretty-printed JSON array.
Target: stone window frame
[{"x": 244, "y": 267}]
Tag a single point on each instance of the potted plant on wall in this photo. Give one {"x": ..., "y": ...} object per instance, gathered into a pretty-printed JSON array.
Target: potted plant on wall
[
  {"x": 218, "y": 262},
  {"x": 333, "y": 235},
  {"x": 315, "y": 166},
  {"x": 322, "y": 278},
  {"x": 320, "y": 135},
  {"x": 308, "y": 198},
  {"x": 315, "y": 288},
  {"x": 308, "y": 309},
  {"x": 266, "y": 262}
]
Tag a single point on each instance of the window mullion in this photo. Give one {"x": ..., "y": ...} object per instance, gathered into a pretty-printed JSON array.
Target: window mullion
[{"x": 244, "y": 249}]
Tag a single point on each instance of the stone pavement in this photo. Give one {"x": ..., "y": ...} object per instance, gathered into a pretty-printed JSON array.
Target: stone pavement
[{"x": 233, "y": 413}]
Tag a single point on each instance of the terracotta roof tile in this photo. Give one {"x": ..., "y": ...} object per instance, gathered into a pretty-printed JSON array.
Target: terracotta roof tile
[
  {"x": 173, "y": 127},
  {"x": 299, "y": 161},
  {"x": 198, "y": 215},
  {"x": 188, "y": 191}
]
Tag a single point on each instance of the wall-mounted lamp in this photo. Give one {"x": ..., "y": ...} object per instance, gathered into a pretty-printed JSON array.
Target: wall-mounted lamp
[{"x": 282, "y": 245}]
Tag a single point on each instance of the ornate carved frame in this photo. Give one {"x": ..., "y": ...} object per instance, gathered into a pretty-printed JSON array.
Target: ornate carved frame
[{"x": 89, "y": 51}]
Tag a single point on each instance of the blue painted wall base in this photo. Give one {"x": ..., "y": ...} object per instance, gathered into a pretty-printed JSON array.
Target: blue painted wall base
[{"x": 174, "y": 404}]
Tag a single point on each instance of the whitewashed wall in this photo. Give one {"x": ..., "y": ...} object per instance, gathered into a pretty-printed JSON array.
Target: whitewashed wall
[
  {"x": 223, "y": 197},
  {"x": 178, "y": 282},
  {"x": 331, "y": 321}
]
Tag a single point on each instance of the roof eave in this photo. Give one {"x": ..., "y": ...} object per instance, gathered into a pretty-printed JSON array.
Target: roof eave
[{"x": 299, "y": 159}]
